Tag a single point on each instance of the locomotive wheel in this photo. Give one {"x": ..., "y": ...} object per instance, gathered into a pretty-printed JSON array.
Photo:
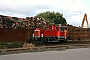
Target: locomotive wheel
[
  {"x": 43, "y": 40},
  {"x": 65, "y": 40}
]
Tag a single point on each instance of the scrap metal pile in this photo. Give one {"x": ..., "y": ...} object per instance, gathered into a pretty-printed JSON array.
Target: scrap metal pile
[{"x": 8, "y": 22}]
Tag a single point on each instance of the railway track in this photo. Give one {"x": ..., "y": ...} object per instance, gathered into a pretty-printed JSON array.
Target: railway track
[{"x": 48, "y": 47}]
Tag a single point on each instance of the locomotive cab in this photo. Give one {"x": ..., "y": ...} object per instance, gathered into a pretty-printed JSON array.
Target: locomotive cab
[{"x": 63, "y": 32}]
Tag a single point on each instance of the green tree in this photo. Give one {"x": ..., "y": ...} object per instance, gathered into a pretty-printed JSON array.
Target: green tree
[{"x": 53, "y": 17}]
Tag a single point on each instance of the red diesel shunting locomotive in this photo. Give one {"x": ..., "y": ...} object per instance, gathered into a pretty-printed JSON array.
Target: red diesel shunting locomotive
[{"x": 50, "y": 34}]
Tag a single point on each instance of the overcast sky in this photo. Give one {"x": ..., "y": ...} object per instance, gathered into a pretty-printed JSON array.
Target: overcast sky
[{"x": 73, "y": 10}]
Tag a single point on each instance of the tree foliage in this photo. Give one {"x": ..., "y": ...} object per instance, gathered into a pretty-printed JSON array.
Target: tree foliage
[{"x": 52, "y": 17}]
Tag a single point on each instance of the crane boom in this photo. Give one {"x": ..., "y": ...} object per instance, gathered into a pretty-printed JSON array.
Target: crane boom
[{"x": 85, "y": 18}]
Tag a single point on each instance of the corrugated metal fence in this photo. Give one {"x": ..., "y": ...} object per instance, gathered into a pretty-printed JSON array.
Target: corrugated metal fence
[
  {"x": 15, "y": 35},
  {"x": 79, "y": 33}
]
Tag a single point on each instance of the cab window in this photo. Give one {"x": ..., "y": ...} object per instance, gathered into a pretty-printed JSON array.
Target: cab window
[{"x": 62, "y": 29}]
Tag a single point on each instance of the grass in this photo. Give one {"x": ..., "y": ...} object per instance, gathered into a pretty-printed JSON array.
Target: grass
[{"x": 10, "y": 45}]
